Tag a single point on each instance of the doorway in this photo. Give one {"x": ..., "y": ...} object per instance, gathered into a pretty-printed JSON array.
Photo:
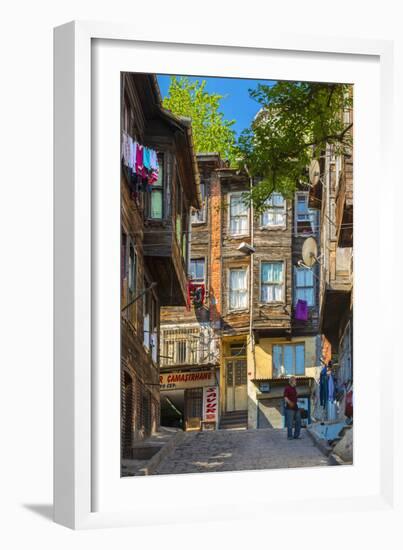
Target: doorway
[{"x": 236, "y": 385}]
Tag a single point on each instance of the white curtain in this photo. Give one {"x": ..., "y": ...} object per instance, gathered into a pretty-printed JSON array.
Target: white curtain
[
  {"x": 274, "y": 215},
  {"x": 238, "y": 289},
  {"x": 238, "y": 215},
  {"x": 272, "y": 281}
]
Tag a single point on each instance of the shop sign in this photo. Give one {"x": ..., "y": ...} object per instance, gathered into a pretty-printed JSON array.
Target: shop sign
[
  {"x": 184, "y": 380},
  {"x": 210, "y": 404}
]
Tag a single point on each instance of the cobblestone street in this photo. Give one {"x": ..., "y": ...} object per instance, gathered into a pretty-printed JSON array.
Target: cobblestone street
[{"x": 226, "y": 450}]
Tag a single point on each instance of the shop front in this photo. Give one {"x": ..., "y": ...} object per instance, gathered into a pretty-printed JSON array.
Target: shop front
[{"x": 189, "y": 399}]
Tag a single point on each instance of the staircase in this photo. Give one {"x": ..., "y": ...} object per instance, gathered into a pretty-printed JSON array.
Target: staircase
[{"x": 234, "y": 420}]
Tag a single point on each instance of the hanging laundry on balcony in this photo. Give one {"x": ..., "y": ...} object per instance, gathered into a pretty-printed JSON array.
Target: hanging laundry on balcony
[
  {"x": 141, "y": 162},
  {"x": 301, "y": 311}
]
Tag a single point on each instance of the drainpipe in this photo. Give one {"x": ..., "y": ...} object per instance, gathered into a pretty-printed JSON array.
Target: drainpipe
[{"x": 251, "y": 277}]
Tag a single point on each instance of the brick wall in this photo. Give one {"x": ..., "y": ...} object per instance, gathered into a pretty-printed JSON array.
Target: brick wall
[{"x": 215, "y": 214}]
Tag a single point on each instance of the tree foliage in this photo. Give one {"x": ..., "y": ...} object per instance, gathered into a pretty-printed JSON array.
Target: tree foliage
[
  {"x": 211, "y": 131},
  {"x": 294, "y": 124}
]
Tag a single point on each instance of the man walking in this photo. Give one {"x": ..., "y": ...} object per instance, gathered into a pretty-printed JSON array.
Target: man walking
[{"x": 292, "y": 413}]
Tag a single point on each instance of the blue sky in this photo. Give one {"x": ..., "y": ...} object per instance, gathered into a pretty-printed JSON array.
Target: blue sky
[{"x": 236, "y": 104}]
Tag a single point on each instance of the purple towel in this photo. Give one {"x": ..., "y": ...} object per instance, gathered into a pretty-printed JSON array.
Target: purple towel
[{"x": 301, "y": 311}]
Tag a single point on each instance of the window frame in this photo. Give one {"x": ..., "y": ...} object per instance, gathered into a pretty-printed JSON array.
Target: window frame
[
  {"x": 160, "y": 188},
  {"x": 198, "y": 279},
  {"x": 238, "y": 268},
  {"x": 295, "y": 299},
  {"x": 272, "y": 227},
  {"x": 230, "y": 197},
  {"x": 202, "y": 210},
  {"x": 293, "y": 346},
  {"x": 270, "y": 261},
  {"x": 313, "y": 215}
]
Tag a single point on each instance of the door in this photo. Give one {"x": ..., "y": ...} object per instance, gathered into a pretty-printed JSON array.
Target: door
[
  {"x": 236, "y": 385},
  {"x": 193, "y": 408}
]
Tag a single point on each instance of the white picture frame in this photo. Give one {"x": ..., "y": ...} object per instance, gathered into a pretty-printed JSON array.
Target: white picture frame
[{"x": 87, "y": 491}]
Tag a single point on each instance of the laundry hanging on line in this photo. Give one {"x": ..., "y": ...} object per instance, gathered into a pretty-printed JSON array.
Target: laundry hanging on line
[{"x": 141, "y": 162}]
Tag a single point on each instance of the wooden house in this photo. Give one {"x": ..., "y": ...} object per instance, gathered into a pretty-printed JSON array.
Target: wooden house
[{"x": 155, "y": 219}]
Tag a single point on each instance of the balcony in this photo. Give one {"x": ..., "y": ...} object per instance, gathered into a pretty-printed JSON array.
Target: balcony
[
  {"x": 165, "y": 263},
  {"x": 337, "y": 293},
  {"x": 187, "y": 347},
  {"x": 344, "y": 205}
]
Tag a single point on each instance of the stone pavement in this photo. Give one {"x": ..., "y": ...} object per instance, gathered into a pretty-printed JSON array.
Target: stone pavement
[{"x": 226, "y": 450}]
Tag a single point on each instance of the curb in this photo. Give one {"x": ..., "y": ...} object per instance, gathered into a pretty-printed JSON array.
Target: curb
[
  {"x": 320, "y": 443},
  {"x": 335, "y": 460},
  {"x": 152, "y": 464}
]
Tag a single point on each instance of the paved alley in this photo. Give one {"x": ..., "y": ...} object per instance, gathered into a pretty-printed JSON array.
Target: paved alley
[{"x": 226, "y": 450}]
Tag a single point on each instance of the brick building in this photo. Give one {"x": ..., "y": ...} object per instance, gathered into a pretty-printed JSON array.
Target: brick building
[{"x": 248, "y": 267}]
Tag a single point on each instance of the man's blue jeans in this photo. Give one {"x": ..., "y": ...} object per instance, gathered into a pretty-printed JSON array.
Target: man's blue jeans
[{"x": 293, "y": 416}]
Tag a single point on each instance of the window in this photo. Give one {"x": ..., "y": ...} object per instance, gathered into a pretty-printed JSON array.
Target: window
[
  {"x": 238, "y": 215},
  {"x": 272, "y": 282},
  {"x": 237, "y": 349},
  {"x": 275, "y": 214},
  {"x": 178, "y": 211},
  {"x": 150, "y": 328},
  {"x": 123, "y": 247},
  {"x": 157, "y": 193},
  {"x": 306, "y": 219},
  {"x": 199, "y": 216},
  {"x": 197, "y": 269},
  {"x": 288, "y": 360},
  {"x": 304, "y": 285},
  {"x": 238, "y": 290},
  {"x": 132, "y": 271}
]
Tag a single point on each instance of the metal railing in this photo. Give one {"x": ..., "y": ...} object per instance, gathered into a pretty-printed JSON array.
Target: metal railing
[{"x": 187, "y": 346}]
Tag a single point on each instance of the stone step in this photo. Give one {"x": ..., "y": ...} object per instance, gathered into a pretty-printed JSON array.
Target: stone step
[
  {"x": 234, "y": 420},
  {"x": 235, "y": 426}
]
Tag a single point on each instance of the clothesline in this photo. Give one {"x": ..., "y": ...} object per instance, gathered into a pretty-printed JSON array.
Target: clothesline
[{"x": 141, "y": 161}]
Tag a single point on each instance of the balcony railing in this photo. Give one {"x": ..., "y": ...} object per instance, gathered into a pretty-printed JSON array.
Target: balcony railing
[{"x": 187, "y": 346}]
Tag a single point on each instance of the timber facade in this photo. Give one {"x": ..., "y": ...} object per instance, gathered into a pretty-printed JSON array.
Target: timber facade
[
  {"x": 245, "y": 331},
  {"x": 155, "y": 222}
]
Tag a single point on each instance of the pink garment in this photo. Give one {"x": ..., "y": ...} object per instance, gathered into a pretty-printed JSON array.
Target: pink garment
[
  {"x": 153, "y": 177},
  {"x": 301, "y": 310},
  {"x": 139, "y": 160}
]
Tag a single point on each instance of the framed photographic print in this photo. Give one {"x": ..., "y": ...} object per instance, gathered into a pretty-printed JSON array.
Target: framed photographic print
[{"x": 213, "y": 276}]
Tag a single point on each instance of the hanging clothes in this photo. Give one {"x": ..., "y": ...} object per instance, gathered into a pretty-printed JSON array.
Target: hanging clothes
[
  {"x": 331, "y": 388},
  {"x": 147, "y": 159},
  {"x": 301, "y": 311},
  {"x": 139, "y": 159},
  {"x": 126, "y": 149},
  {"x": 323, "y": 387}
]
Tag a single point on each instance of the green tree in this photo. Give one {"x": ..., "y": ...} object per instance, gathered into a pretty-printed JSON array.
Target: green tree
[
  {"x": 211, "y": 131},
  {"x": 293, "y": 126}
]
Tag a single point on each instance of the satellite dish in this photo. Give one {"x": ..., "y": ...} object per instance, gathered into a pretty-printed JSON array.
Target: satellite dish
[
  {"x": 314, "y": 172},
  {"x": 310, "y": 252}
]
